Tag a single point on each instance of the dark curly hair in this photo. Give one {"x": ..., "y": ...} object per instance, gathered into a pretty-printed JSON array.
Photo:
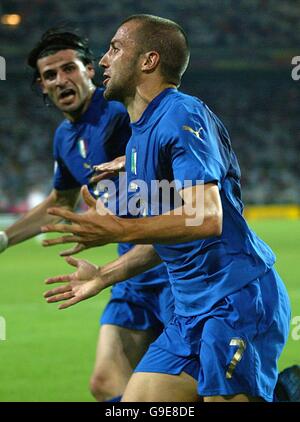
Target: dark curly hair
[{"x": 54, "y": 40}]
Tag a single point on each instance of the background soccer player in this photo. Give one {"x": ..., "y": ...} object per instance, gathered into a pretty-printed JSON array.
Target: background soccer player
[
  {"x": 231, "y": 308},
  {"x": 94, "y": 131}
]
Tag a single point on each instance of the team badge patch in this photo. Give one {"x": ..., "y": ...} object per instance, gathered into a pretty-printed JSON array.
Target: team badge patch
[{"x": 82, "y": 146}]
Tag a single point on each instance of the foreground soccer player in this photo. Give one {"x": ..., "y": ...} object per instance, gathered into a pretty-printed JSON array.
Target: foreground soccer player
[
  {"x": 94, "y": 131},
  {"x": 232, "y": 311}
]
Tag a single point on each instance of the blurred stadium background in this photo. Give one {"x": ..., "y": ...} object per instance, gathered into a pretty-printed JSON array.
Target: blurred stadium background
[{"x": 240, "y": 66}]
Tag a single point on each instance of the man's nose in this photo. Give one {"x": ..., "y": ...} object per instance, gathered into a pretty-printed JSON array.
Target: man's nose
[
  {"x": 61, "y": 78},
  {"x": 103, "y": 61}
]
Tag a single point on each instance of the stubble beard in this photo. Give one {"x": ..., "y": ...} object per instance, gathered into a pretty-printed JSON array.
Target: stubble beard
[
  {"x": 116, "y": 93},
  {"x": 123, "y": 90}
]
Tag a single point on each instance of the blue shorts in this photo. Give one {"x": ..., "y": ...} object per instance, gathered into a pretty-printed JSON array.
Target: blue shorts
[
  {"x": 232, "y": 349},
  {"x": 139, "y": 307}
]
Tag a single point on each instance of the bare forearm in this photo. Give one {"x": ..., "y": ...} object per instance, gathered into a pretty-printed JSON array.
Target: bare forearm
[
  {"x": 200, "y": 219},
  {"x": 138, "y": 260},
  {"x": 166, "y": 229},
  {"x": 30, "y": 224}
]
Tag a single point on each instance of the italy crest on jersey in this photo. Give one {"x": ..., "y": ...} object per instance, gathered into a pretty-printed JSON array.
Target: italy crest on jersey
[
  {"x": 133, "y": 161},
  {"x": 82, "y": 146}
]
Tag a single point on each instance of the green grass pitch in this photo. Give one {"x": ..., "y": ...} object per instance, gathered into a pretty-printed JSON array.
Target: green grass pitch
[{"x": 48, "y": 354}]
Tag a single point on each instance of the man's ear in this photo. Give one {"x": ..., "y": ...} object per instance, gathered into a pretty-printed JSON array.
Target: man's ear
[
  {"x": 90, "y": 70},
  {"x": 150, "y": 61},
  {"x": 41, "y": 85}
]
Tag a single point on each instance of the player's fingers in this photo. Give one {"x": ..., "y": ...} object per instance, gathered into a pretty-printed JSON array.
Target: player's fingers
[
  {"x": 102, "y": 209},
  {"x": 72, "y": 261},
  {"x": 114, "y": 167},
  {"x": 102, "y": 167},
  {"x": 61, "y": 228},
  {"x": 59, "y": 279},
  {"x": 76, "y": 249},
  {"x": 58, "y": 290},
  {"x": 61, "y": 240},
  {"x": 70, "y": 302},
  {"x": 62, "y": 212},
  {"x": 59, "y": 297},
  {"x": 87, "y": 197},
  {"x": 97, "y": 178}
]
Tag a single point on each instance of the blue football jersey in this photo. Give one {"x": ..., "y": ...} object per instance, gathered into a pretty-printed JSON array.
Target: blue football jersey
[
  {"x": 99, "y": 136},
  {"x": 179, "y": 138}
]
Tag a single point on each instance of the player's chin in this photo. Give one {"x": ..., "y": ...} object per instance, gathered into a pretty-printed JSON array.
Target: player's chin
[
  {"x": 106, "y": 93},
  {"x": 74, "y": 106},
  {"x": 111, "y": 94}
]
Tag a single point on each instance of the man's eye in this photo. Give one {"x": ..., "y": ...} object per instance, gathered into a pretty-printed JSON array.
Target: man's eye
[
  {"x": 50, "y": 76},
  {"x": 69, "y": 68}
]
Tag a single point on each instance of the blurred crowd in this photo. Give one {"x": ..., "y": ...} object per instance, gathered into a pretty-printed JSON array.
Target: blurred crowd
[
  {"x": 261, "y": 113},
  {"x": 239, "y": 68},
  {"x": 217, "y": 23}
]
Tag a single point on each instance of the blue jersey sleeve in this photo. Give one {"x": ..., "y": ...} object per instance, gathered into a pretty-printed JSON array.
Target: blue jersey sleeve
[
  {"x": 62, "y": 179},
  {"x": 196, "y": 146}
]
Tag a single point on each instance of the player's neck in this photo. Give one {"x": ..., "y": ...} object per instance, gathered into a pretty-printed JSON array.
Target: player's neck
[
  {"x": 143, "y": 96},
  {"x": 75, "y": 115}
]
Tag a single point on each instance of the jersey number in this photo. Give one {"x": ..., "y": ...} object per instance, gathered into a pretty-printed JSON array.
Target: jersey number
[{"x": 241, "y": 346}]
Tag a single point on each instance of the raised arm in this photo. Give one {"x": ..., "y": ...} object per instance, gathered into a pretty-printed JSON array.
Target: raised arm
[{"x": 199, "y": 218}]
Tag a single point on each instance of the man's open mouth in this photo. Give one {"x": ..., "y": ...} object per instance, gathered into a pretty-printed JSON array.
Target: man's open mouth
[
  {"x": 106, "y": 79},
  {"x": 66, "y": 93}
]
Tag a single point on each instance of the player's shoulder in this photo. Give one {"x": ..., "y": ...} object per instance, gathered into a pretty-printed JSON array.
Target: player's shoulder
[
  {"x": 181, "y": 105},
  {"x": 180, "y": 108},
  {"x": 61, "y": 130},
  {"x": 181, "y": 100}
]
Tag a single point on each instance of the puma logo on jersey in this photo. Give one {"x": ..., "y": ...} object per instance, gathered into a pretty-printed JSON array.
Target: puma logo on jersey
[{"x": 195, "y": 132}]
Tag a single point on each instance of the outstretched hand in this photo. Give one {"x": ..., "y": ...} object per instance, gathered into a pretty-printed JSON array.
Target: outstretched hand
[
  {"x": 96, "y": 227},
  {"x": 84, "y": 283},
  {"x": 108, "y": 170}
]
